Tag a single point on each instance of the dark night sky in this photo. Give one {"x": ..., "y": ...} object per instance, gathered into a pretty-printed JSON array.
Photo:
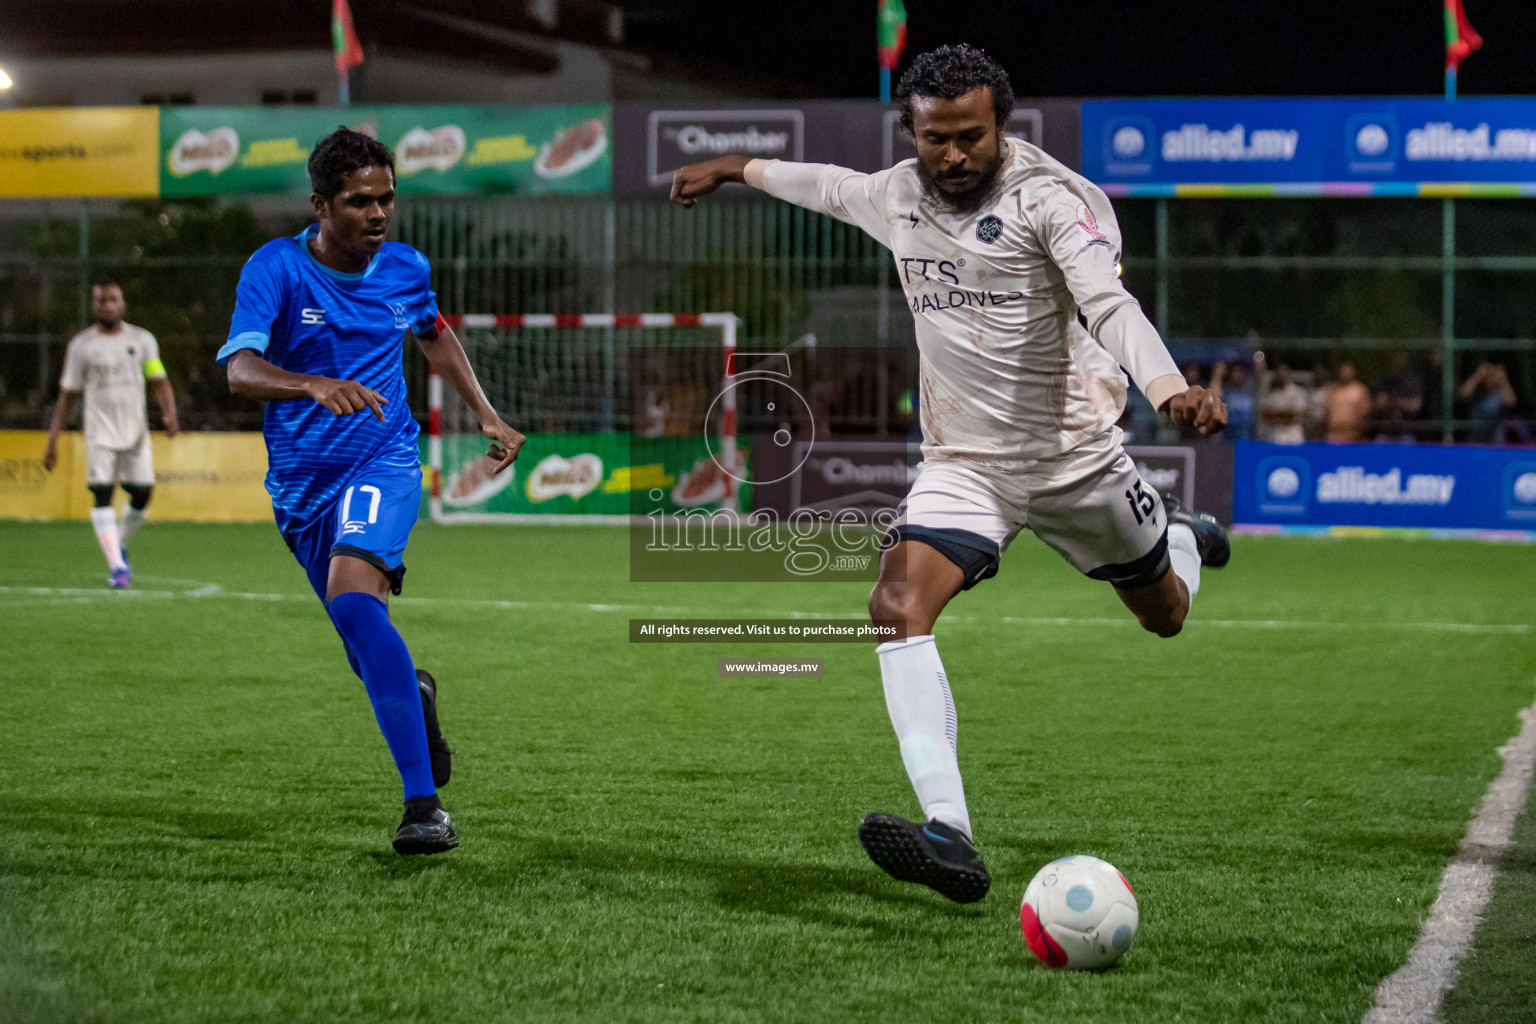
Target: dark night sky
[{"x": 825, "y": 48}]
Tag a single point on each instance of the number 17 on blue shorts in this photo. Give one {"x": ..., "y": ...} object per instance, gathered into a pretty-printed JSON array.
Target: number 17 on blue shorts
[{"x": 371, "y": 519}]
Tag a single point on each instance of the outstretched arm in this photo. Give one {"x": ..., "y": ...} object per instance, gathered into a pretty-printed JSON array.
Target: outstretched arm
[
  {"x": 850, "y": 196},
  {"x": 61, "y": 411},
  {"x": 1198, "y": 408},
  {"x": 166, "y": 399},
  {"x": 251, "y": 376},
  {"x": 1085, "y": 244},
  {"x": 694, "y": 182},
  {"x": 447, "y": 357},
  {"x": 154, "y": 373},
  {"x": 1134, "y": 342}
]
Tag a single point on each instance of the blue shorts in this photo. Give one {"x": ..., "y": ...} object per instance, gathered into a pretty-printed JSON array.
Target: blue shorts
[{"x": 371, "y": 519}]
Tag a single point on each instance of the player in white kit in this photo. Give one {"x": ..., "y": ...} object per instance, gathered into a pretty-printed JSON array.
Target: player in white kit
[
  {"x": 109, "y": 363},
  {"x": 1010, "y": 265}
]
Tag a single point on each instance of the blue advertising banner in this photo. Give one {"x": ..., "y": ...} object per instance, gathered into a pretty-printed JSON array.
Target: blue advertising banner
[
  {"x": 1435, "y": 487},
  {"x": 1342, "y": 147}
]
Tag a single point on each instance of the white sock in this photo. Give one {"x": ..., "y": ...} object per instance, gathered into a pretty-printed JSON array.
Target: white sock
[
  {"x": 104, "y": 521},
  {"x": 923, "y": 712},
  {"x": 132, "y": 520},
  {"x": 1184, "y": 554}
]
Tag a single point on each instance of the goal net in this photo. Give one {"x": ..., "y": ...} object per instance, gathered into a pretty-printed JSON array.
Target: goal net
[{"x": 616, "y": 408}]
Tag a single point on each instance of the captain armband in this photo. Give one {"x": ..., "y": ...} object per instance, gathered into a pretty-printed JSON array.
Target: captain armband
[{"x": 154, "y": 368}]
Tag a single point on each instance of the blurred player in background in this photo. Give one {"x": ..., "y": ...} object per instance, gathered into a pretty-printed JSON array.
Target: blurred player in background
[
  {"x": 1010, "y": 264},
  {"x": 317, "y": 334},
  {"x": 108, "y": 363}
]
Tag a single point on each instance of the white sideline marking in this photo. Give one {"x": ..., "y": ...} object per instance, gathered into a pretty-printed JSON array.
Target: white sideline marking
[
  {"x": 1412, "y": 995},
  {"x": 1427, "y": 627},
  {"x": 214, "y": 590}
]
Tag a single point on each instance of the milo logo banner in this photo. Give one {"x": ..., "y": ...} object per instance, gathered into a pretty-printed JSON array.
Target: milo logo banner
[
  {"x": 582, "y": 474},
  {"x": 499, "y": 149},
  {"x": 212, "y": 150}
]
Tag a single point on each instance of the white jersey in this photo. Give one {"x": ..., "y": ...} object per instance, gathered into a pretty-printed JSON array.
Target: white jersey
[
  {"x": 111, "y": 369},
  {"x": 1018, "y": 305}
]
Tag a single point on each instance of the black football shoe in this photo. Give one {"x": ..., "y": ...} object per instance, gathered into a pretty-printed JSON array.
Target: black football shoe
[
  {"x": 426, "y": 828},
  {"x": 437, "y": 747},
  {"x": 932, "y": 854},
  {"x": 1210, "y": 538}
]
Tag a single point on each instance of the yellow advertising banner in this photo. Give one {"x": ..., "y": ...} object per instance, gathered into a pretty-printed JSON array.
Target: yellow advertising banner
[
  {"x": 27, "y": 490},
  {"x": 211, "y": 477},
  {"x": 80, "y": 151},
  {"x": 200, "y": 477}
]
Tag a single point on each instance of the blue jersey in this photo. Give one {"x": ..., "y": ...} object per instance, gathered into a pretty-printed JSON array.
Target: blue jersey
[{"x": 308, "y": 318}]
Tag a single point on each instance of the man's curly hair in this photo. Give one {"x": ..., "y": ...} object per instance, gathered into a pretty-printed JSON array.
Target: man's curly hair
[
  {"x": 952, "y": 71},
  {"x": 341, "y": 153}
]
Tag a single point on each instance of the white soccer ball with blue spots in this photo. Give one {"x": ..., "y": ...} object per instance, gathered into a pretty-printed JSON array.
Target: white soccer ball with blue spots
[{"x": 1080, "y": 913}]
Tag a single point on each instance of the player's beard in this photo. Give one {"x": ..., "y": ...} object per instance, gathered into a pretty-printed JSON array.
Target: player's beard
[{"x": 961, "y": 204}]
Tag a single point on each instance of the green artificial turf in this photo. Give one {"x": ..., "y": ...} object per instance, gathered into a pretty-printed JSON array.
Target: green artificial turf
[
  {"x": 198, "y": 806},
  {"x": 1498, "y": 980}
]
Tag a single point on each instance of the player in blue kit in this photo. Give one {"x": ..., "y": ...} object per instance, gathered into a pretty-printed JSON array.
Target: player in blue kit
[{"x": 319, "y": 323}]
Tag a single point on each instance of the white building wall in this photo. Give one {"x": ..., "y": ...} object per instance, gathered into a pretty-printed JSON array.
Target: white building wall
[
  {"x": 585, "y": 75},
  {"x": 224, "y": 79}
]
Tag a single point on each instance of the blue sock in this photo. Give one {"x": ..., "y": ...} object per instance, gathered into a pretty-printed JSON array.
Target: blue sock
[
  {"x": 357, "y": 668},
  {"x": 389, "y": 675}
]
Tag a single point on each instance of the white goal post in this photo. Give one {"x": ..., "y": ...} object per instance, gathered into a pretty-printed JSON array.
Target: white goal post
[{"x": 725, "y": 323}]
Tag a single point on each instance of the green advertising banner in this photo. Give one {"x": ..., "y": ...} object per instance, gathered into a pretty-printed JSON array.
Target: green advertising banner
[
  {"x": 583, "y": 474},
  {"x": 208, "y": 150},
  {"x": 212, "y": 150}
]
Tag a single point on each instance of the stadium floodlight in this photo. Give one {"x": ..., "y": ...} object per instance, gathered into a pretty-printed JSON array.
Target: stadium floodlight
[{"x": 5, "y": 80}]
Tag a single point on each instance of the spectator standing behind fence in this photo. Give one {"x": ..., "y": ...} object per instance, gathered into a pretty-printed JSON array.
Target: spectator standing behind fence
[
  {"x": 1399, "y": 401},
  {"x": 1492, "y": 399},
  {"x": 1233, "y": 385},
  {"x": 1432, "y": 385},
  {"x": 1347, "y": 408},
  {"x": 1316, "y": 387},
  {"x": 1282, "y": 408}
]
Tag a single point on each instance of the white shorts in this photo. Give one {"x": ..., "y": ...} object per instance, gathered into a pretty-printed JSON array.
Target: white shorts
[
  {"x": 134, "y": 465},
  {"x": 1089, "y": 504}
]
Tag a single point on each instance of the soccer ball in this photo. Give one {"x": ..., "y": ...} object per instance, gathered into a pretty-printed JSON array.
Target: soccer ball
[{"x": 1079, "y": 912}]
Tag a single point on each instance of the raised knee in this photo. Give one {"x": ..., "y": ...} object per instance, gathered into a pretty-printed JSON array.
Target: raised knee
[
  {"x": 1167, "y": 625},
  {"x": 890, "y": 601}
]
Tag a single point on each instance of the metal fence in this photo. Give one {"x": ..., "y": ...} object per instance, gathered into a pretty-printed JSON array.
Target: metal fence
[{"x": 1447, "y": 280}]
